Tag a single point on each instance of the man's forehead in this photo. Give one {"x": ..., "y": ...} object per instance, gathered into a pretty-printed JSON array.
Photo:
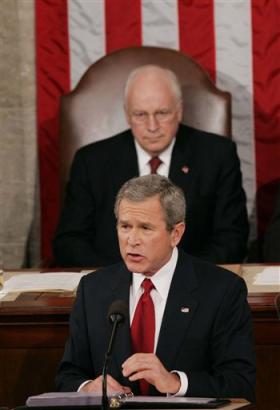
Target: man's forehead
[
  {"x": 150, "y": 73},
  {"x": 151, "y": 84},
  {"x": 149, "y": 206},
  {"x": 141, "y": 202}
]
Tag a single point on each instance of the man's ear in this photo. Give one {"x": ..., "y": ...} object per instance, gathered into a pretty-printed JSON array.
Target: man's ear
[
  {"x": 180, "y": 111},
  {"x": 177, "y": 233},
  {"x": 126, "y": 114}
]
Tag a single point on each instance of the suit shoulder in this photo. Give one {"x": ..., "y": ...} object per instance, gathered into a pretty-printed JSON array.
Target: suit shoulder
[
  {"x": 103, "y": 276},
  {"x": 105, "y": 146},
  {"x": 208, "y": 139},
  {"x": 216, "y": 276}
]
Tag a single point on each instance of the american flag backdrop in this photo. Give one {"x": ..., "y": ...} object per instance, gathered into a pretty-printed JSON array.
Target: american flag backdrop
[{"x": 236, "y": 41}]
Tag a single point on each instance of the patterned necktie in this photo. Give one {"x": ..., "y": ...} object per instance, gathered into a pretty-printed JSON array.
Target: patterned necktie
[
  {"x": 154, "y": 164},
  {"x": 143, "y": 327}
]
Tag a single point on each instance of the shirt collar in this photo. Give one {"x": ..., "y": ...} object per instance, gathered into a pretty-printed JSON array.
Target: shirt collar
[
  {"x": 144, "y": 157},
  {"x": 161, "y": 279}
]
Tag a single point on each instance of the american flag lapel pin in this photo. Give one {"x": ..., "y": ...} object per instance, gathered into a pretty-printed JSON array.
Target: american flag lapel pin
[
  {"x": 185, "y": 169},
  {"x": 185, "y": 309}
]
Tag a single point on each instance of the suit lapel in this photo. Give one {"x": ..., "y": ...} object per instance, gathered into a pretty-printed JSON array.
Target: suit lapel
[
  {"x": 180, "y": 171},
  {"x": 179, "y": 312},
  {"x": 124, "y": 160},
  {"x": 122, "y": 346}
]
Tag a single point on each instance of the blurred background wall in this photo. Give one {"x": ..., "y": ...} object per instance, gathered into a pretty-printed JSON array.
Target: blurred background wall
[{"x": 18, "y": 148}]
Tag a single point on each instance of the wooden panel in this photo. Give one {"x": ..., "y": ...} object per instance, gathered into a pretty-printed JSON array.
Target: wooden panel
[
  {"x": 25, "y": 372},
  {"x": 268, "y": 376}
]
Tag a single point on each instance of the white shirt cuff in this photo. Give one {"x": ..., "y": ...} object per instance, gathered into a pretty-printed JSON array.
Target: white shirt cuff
[
  {"x": 184, "y": 383},
  {"x": 83, "y": 384}
]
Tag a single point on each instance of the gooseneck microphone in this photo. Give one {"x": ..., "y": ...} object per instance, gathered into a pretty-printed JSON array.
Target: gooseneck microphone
[{"x": 117, "y": 313}]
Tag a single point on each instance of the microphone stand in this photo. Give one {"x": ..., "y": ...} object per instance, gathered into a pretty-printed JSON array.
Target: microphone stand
[{"x": 105, "y": 401}]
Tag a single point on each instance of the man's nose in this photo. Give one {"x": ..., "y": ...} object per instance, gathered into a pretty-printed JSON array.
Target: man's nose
[
  {"x": 133, "y": 238},
  {"x": 152, "y": 122}
]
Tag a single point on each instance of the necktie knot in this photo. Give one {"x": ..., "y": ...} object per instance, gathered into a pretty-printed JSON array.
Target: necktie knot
[
  {"x": 154, "y": 164},
  {"x": 147, "y": 285}
]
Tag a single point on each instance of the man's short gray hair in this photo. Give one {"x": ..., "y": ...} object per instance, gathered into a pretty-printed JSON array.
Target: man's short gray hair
[
  {"x": 170, "y": 75},
  {"x": 171, "y": 197}
]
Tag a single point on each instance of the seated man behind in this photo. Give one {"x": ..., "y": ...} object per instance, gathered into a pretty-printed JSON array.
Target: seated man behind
[
  {"x": 190, "y": 327},
  {"x": 205, "y": 166}
]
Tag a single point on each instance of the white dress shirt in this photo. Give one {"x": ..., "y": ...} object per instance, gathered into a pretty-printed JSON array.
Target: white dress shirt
[
  {"x": 161, "y": 281},
  {"x": 144, "y": 158}
]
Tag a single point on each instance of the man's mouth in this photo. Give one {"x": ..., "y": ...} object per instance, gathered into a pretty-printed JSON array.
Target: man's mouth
[
  {"x": 134, "y": 257},
  {"x": 156, "y": 138}
]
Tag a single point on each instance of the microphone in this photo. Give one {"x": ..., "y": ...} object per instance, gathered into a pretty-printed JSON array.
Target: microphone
[{"x": 117, "y": 313}]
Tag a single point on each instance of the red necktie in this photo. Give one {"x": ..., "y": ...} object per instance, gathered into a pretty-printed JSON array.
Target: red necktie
[
  {"x": 154, "y": 164},
  {"x": 143, "y": 327}
]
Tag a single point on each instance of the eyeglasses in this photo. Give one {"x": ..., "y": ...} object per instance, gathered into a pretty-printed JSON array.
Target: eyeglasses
[{"x": 161, "y": 116}]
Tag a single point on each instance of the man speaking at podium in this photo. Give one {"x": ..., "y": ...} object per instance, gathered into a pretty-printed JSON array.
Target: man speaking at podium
[{"x": 189, "y": 330}]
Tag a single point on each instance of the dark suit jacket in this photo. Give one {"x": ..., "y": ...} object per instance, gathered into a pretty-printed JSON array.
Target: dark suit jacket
[
  {"x": 216, "y": 224},
  {"x": 212, "y": 344}
]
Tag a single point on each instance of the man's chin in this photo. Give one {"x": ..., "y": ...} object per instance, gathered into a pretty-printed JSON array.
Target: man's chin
[
  {"x": 135, "y": 265},
  {"x": 139, "y": 268}
]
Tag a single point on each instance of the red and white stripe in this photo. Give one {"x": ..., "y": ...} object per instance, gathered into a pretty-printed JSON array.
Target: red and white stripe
[
  {"x": 234, "y": 73},
  {"x": 237, "y": 42}
]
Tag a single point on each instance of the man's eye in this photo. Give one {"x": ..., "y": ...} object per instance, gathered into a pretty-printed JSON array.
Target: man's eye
[
  {"x": 124, "y": 226},
  {"x": 162, "y": 114}
]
